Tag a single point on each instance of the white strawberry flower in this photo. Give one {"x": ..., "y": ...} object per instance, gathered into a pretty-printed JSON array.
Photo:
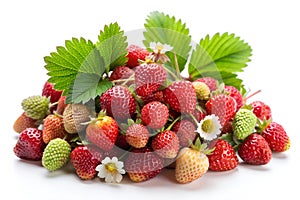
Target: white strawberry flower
[
  {"x": 111, "y": 169},
  {"x": 209, "y": 128}
]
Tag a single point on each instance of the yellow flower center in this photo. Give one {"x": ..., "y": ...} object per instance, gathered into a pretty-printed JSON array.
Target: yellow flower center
[
  {"x": 111, "y": 167},
  {"x": 208, "y": 126}
]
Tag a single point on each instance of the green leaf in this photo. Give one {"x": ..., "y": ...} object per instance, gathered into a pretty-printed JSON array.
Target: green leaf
[
  {"x": 112, "y": 44},
  {"x": 221, "y": 57},
  {"x": 161, "y": 28},
  {"x": 86, "y": 87},
  {"x": 78, "y": 56}
]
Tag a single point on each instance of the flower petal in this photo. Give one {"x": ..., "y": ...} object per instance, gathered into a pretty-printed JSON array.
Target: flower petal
[
  {"x": 106, "y": 160},
  {"x": 109, "y": 178},
  {"x": 118, "y": 177}
]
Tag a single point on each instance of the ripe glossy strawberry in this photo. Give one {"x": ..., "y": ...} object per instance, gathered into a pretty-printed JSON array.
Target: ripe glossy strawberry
[
  {"x": 53, "y": 128},
  {"x": 191, "y": 164},
  {"x": 234, "y": 93},
  {"x": 148, "y": 78},
  {"x": 49, "y": 91},
  {"x": 223, "y": 158},
  {"x": 209, "y": 81},
  {"x": 186, "y": 132},
  {"x": 24, "y": 122},
  {"x": 181, "y": 96},
  {"x": 255, "y": 150},
  {"x": 166, "y": 144},
  {"x": 156, "y": 96},
  {"x": 135, "y": 53},
  {"x": 223, "y": 106},
  {"x": 261, "y": 110},
  {"x": 137, "y": 135},
  {"x": 61, "y": 105},
  {"x": 276, "y": 137},
  {"x": 155, "y": 115},
  {"x": 122, "y": 74},
  {"x": 84, "y": 162},
  {"x": 102, "y": 132},
  {"x": 143, "y": 164},
  {"x": 30, "y": 144},
  {"x": 118, "y": 102}
]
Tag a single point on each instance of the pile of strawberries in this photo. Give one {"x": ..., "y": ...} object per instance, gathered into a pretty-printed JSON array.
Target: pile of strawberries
[{"x": 149, "y": 120}]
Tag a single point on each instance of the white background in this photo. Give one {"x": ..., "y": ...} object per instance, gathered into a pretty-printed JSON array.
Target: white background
[{"x": 30, "y": 30}]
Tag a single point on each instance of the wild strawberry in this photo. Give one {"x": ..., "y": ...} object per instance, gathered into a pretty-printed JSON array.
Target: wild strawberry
[
  {"x": 186, "y": 132},
  {"x": 154, "y": 115},
  {"x": 243, "y": 124},
  {"x": 122, "y": 74},
  {"x": 56, "y": 154},
  {"x": 102, "y": 132},
  {"x": 30, "y": 144},
  {"x": 137, "y": 135},
  {"x": 191, "y": 164},
  {"x": 24, "y": 122},
  {"x": 143, "y": 164},
  {"x": 255, "y": 150},
  {"x": 53, "y": 128},
  {"x": 36, "y": 107},
  {"x": 148, "y": 78},
  {"x": 234, "y": 93},
  {"x": 209, "y": 81},
  {"x": 202, "y": 90},
  {"x": 181, "y": 96},
  {"x": 74, "y": 116},
  {"x": 156, "y": 96},
  {"x": 135, "y": 53},
  {"x": 49, "y": 91},
  {"x": 276, "y": 137},
  {"x": 261, "y": 110},
  {"x": 166, "y": 144},
  {"x": 84, "y": 162},
  {"x": 61, "y": 105},
  {"x": 223, "y": 157},
  {"x": 223, "y": 106},
  {"x": 118, "y": 102}
]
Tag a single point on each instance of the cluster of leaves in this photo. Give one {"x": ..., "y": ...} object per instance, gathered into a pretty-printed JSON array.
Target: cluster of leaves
[{"x": 81, "y": 67}]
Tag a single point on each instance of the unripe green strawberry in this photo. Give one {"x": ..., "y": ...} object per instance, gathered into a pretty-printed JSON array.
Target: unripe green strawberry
[
  {"x": 202, "y": 90},
  {"x": 36, "y": 107},
  {"x": 243, "y": 123},
  {"x": 56, "y": 154}
]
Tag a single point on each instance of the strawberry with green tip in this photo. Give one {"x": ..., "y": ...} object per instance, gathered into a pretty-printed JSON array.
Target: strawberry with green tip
[
  {"x": 192, "y": 163},
  {"x": 102, "y": 132},
  {"x": 56, "y": 154},
  {"x": 243, "y": 123}
]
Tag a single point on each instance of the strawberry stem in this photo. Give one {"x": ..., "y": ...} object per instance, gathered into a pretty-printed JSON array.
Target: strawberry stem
[
  {"x": 171, "y": 125},
  {"x": 251, "y": 95}
]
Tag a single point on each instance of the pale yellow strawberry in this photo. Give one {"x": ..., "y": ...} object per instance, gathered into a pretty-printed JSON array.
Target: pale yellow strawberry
[{"x": 191, "y": 164}]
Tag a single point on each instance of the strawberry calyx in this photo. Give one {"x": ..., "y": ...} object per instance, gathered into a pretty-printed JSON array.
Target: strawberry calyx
[
  {"x": 262, "y": 125},
  {"x": 202, "y": 147}
]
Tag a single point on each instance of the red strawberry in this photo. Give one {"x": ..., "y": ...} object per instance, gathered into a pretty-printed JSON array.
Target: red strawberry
[
  {"x": 276, "y": 137},
  {"x": 255, "y": 150},
  {"x": 137, "y": 135},
  {"x": 102, "y": 132},
  {"x": 155, "y": 115},
  {"x": 186, "y": 132},
  {"x": 61, "y": 105},
  {"x": 53, "y": 128},
  {"x": 142, "y": 165},
  {"x": 49, "y": 91},
  {"x": 24, "y": 122},
  {"x": 227, "y": 128},
  {"x": 234, "y": 93},
  {"x": 122, "y": 73},
  {"x": 156, "y": 96},
  {"x": 30, "y": 145},
  {"x": 261, "y": 110},
  {"x": 181, "y": 96},
  {"x": 209, "y": 81},
  {"x": 223, "y": 106},
  {"x": 166, "y": 144},
  {"x": 118, "y": 103},
  {"x": 84, "y": 162},
  {"x": 135, "y": 53},
  {"x": 121, "y": 142},
  {"x": 148, "y": 78},
  {"x": 223, "y": 158}
]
